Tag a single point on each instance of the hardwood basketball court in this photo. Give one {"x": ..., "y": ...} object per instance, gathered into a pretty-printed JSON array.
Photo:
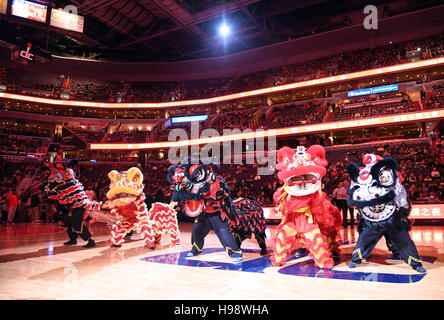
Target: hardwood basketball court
[{"x": 34, "y": 264}]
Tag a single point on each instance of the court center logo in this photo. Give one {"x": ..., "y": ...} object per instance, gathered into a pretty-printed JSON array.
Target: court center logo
[{"x": 298, "y": 265}]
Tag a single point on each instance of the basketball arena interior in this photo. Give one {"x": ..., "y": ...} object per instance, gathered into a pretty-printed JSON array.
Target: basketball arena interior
[{"x": 242, "y": 150}]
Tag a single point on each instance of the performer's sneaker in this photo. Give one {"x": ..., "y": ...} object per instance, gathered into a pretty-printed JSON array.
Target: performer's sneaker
[
  {"x": 420, "y": 269},
  {"x": 91, "y": 243},
  {"x": 353, "y": 264},
  {"x": 192, "y": 254},
  {"x": 115, "y": 246},
  {"x": 129, "y": 234},
  {"x": 70, "y": 242},
  {"x": 237, "y": 259},
  {"x": 300, "y": 252},
  {"x": 395, "y": 255},
  {"x": 336, "y": 255}
]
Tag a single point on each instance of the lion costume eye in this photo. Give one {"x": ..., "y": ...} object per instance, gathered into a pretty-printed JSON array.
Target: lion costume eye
[
  {"x": 200, "y": 175},
  {"x": 135, "y": 176},
  {"x": 113, "y": 175},
  {"x": 386, "y": 177}
]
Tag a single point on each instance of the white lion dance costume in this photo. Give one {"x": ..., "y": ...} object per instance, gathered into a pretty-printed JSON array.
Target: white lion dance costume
[
  {"x": 376, "y": 191},
  {"x": 126, "y": 200}
]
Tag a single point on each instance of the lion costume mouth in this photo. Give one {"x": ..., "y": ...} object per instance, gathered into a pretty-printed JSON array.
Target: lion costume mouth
[
  {"x": 300, "y": 185},
  {"x": 193, "y": 208},
  {"x": 122, "y": 195},
  {"x": 379, "y": 212},
  {"x": 120, "y": 192},
  {"x": 302, "y": 169}
]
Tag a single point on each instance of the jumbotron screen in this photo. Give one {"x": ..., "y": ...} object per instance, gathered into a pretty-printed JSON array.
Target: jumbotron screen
[
  {"x": 3, "y": 6},
  {"x": 29, "y": 10}
]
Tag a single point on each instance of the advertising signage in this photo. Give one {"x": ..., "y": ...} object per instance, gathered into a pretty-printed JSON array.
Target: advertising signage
[
  {"x": 66, "y": 20},
  {"x": 373, "y": 90}
]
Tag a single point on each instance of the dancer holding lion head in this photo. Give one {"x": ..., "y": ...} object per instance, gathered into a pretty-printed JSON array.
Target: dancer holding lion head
[{"x": 309, "y": 220}]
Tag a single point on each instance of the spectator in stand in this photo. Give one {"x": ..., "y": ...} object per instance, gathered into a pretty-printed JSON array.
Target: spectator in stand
[
  {"x": 435, "y": 174},
  {"x": 3, "y": 206},
  {"x": 414, "y": 193},
  {"x": 50, "y": 209},
  {"x": 433, "y": 198},
  {"x": 34, "y": 207},
  {"x": 340, "y": 194},
  {"x": 159, "y": 196},
  {"x": 13, "y": 201},
  {"x": 90, "y": 193}
]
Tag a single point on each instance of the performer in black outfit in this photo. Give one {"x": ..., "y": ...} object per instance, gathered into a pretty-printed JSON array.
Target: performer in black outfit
[
  {"x": 377, "y": 193},
  {"x": 206, "y": 197},
  {"x": 212, "y": 221},
  {"x": 60, "y": 185}
]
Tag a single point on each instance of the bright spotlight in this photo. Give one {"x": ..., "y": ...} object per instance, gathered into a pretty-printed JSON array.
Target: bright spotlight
[{"x": 224, "y": 30}]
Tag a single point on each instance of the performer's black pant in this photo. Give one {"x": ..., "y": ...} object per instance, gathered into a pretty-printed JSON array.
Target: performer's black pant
[
  {"x": 342, "y": 206},
  {"x": 76, "y": 226},
  {"x": 202, "y": 227},
  {"x": 399, "y": 237},
  {"x": 388, "y": 240}
]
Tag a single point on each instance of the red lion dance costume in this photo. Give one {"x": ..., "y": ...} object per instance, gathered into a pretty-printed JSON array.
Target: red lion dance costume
[
  {"x": 309, "y": 220},
  {"x": 127, "y": 201}
]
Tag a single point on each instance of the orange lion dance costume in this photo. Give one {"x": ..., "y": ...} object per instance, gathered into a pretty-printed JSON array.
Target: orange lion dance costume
[
  {"x": 309, "y": 220},
  {"x": 127, "y": 203}
]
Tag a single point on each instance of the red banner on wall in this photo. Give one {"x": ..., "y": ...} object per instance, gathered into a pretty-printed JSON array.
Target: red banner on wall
[{"x": 419, "y": 211}]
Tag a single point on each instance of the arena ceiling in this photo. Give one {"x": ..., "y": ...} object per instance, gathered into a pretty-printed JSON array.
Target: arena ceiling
[{"x": 175, "y": 30}]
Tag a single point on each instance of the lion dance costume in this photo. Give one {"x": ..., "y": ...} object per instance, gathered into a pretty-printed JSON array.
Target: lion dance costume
[
  {"x": 206, "y": 197},
  {"x": 126, "y": 200},
  {"x": 376, "y": 191},
  {"x": 60, "y": 184},
  {"x": 309, "y": 220}
]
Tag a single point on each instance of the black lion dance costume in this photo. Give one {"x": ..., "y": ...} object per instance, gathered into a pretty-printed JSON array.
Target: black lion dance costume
[
  {"x": 60, "y": 184},
  {"x": 376, "y": 191},
  {"x": 206, "y": 196}
]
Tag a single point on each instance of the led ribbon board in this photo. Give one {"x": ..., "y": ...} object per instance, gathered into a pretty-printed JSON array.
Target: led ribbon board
[
  {"x": 234, "y": 96},
  {"x": 188, "y": 118},
  {"x": 314, "y": 128},
  {"x": 372, "y": 90}
]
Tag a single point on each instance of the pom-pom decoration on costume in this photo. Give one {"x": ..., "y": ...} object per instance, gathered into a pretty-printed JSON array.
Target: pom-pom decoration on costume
[
  {"x": 309, "y": 220},
  {"x": 204, "y": 195},
  {"x": 126, "y": 200},
  {"x": 376, "y": 191}
]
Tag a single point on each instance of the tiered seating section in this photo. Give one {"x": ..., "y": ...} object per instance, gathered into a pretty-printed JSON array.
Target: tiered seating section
[{"x": 89, "y": 90}]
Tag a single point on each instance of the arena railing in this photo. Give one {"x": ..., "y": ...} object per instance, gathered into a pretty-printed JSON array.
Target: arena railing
[{"x": 296, "y": 130}]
